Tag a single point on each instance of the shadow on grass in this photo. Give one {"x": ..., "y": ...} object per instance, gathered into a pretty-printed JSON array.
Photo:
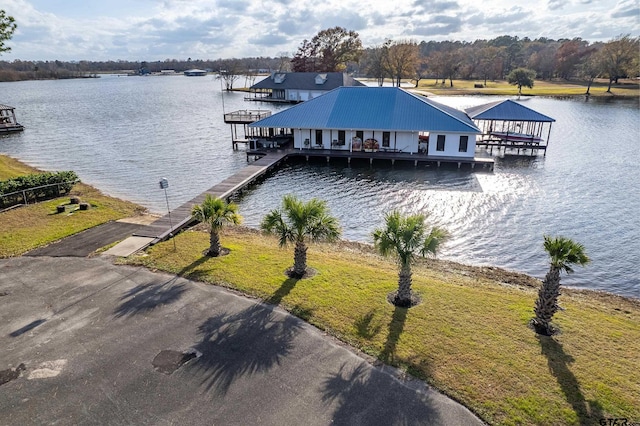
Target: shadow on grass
[
  {"x": 396, "y": 326},
  {"x": 366, "y": 327},
  {"x": 145, "y": 298},
  {"x": 365, "y": 395},
  {"x": 285, "y": 288},
  {"x": 188, "y": 271},
  {"x": 588, "y": 412},
  {"x": 243, "y": 344}
]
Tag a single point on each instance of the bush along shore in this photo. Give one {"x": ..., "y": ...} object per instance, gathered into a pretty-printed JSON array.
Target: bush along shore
[
  {"x": 27, "y": 227},
  {"x": 470, "y": 336}
]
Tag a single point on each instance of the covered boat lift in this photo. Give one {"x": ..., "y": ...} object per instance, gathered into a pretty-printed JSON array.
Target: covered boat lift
[
  {"x": 8, "y": 121},
  {"x": 510, "y": 125}
]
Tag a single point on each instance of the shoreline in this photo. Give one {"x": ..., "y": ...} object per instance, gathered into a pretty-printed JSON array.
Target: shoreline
[
  {"x": 509, "y": 277},
  {"x": 468, "y": 338}
]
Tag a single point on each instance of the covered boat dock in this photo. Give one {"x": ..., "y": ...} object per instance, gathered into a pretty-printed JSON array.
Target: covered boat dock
[
  {"x": 510, "y": 125},
  {"x": 8, "y": 121}
]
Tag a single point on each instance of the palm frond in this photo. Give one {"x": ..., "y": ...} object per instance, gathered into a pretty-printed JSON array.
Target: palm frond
[{"x": 564, "y": 253}]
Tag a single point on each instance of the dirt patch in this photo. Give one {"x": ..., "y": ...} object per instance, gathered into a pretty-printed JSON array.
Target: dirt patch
[
  {"x": 415, "y": 299},
  {"x": 308, "y": 273}
]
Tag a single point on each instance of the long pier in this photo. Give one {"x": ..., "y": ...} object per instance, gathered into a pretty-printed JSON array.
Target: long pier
[{"x": 181, "y": 216}]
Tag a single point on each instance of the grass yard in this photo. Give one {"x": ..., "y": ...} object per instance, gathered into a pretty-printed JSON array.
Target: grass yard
[
  {"x": 469, "y": 336},
  {"x": 28, "y": 227},
  {"x": 626, "y": 88}
]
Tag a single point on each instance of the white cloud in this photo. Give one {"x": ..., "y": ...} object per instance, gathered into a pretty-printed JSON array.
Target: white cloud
[{"x": 210, "y": 29}]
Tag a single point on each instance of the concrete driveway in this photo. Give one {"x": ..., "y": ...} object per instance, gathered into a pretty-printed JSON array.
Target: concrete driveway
[{"x": 83, "y": 341}]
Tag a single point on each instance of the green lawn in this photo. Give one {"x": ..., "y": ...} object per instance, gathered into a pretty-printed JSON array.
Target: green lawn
[
  {"x": 560, "y": 88},
  {"x": 28, "y": 227},
  {"x": 469, "y": 336}
]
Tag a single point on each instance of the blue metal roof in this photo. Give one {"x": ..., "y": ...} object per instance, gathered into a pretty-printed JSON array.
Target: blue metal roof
[
  {"x": 371, "y": 108},
  {"x": 507, "y": 110}
]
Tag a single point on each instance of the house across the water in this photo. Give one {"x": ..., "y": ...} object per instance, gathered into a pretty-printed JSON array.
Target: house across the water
[
  {"x": 378, "y": 119},
  {"x": 299, "y": 86},
  {"x": 8, "y": 121}
]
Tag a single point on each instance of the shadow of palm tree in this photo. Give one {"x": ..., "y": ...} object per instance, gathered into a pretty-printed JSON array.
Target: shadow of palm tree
[
  {"x": 588, "y": 412},
  {"x": 145, "y": 298},
  {"x": 366, "y": 326},
  {"x": 187, "y": 271},
  {"x": 367, "y": 396},
  {"x": 246, "y": 343},
  {"x": 395, "y": 330},
  {"x": 285, "y": 288}
]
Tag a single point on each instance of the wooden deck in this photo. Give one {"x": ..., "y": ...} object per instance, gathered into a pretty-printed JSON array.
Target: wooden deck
[
  {"x": 181, "y": 216},
  {"x": 391, "y": 156}
]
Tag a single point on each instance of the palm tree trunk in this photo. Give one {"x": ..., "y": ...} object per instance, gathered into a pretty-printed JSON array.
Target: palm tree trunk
[
  {"x": 300, "y": 259},
  {"x": 547, "y": 303},
  {"x": 403, "y": 298},
  {"x": 214, "y": 243}
]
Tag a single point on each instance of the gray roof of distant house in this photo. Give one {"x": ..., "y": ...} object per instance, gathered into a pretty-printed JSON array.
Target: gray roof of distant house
[
  {"x": 307, "y": 81},
  {"x": 507, "y": 110},
  {"x": 371, "y": 108},
  {"x": 6, "y": 107}
]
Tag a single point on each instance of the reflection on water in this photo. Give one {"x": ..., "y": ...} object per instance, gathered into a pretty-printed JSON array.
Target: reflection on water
[{"x": 124, "y": 134}]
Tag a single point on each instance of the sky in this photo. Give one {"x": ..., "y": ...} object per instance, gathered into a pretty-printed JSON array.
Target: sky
[{"x": 149, "y": 30}]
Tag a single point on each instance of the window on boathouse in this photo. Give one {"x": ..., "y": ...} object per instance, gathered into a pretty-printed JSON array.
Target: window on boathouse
[
  {"x": 386, "y": 139},
  {"x": 318, "y": 137},
  {"x": 360, "y": 134},
  {"x": 341, "y": 137},
  {"x": 464, "y": 143},
  {"x": 440, "y": 143}
]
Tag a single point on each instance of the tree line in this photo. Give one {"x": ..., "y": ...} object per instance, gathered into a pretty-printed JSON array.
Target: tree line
[{"x": 337, "y": 49}]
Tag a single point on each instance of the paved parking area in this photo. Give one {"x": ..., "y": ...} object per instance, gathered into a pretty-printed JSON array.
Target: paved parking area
[{"x": 87, "y": 342}]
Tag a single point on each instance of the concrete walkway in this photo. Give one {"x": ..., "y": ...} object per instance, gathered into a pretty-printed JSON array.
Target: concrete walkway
[{"x": 87, "y": 342}]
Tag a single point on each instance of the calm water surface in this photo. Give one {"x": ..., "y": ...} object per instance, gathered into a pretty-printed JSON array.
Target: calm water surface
[{"x": 122, "y": 134}]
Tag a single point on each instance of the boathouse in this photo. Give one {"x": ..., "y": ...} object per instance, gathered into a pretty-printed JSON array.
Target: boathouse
[
  {"x": 510, "y": 125},
  {"x": 298, "y": 86},
  {"x": 377, "y": 119},
  {"x": 8, "y": 121}
]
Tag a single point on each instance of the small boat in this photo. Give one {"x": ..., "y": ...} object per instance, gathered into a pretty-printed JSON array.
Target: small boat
[
  {"x": 8, "y": 121},
  {"x": 195, "y": 73}
]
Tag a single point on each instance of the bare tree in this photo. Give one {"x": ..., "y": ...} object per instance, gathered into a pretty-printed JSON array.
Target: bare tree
[
  {"x": 402, "y": 59},
  {"x": 230, "y": 71},
  {"x": 375, "y": 62},
  {"x": 619, "y": 58}
]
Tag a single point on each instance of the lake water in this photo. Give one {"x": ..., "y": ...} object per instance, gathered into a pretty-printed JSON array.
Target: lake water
[{"x": 122, "y": 134}]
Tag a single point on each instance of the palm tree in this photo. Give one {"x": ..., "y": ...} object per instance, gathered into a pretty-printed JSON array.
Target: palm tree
[
  {"x": 299, "y": 222},
  {"x": 216, "y": 212},
  {"x": 407, "y": 237},
  {"x": 564, "y": 253}
]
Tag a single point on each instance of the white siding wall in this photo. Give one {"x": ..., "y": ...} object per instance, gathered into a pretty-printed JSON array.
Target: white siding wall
[
  {"x": 451, "y": 145},
  {"x": 401, "y": 141},
  {"x": 405, "y": 142}
]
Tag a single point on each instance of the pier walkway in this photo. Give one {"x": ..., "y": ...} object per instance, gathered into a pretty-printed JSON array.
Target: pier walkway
[{"x": 180, "y": 217}]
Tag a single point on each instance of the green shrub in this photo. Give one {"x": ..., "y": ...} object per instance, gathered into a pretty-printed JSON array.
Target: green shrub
[{"x": 34, "y": 187}]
